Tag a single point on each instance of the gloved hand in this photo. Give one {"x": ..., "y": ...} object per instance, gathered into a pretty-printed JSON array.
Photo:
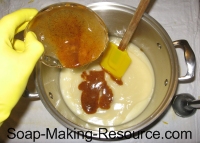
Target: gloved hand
[{"x": 17, "y": 58}]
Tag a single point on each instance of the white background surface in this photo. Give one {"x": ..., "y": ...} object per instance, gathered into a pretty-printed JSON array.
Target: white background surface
[{"x": 180, "y": 18}]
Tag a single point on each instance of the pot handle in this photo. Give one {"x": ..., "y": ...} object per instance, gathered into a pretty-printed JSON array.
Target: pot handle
[
  {"x": 189, "y": 59},
  {"x": 30, "y": 91},
  {"x": 32, "y": 95}
]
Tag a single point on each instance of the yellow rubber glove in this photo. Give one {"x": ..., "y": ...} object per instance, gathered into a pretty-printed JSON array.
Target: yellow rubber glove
[{"x": 17, "y": 58}]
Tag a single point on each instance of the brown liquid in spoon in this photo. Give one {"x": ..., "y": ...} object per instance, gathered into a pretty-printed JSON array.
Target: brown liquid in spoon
[{"x": 72, "y": 34}]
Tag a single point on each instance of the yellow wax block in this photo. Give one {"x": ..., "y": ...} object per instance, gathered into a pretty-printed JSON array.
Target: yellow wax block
[{"x": 115, "y": 61}]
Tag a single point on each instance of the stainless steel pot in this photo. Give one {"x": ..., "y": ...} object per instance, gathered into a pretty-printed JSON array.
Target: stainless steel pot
[{"x": 153, "y": 41}]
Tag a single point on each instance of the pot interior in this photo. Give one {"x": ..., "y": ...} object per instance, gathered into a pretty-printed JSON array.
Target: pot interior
[{"x": 151, "y": 38}]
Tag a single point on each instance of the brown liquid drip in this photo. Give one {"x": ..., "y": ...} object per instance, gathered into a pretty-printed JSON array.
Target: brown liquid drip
[
  {"x": 118, "y": 81},
  {"x": 95, "y": 92}
]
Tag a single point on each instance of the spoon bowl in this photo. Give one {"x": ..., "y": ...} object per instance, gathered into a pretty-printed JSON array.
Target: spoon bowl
[{"x": 72, "y": 35}]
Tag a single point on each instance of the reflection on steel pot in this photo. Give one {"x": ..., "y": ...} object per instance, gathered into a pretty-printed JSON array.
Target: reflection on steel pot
[{"x": 154, "y": 42}]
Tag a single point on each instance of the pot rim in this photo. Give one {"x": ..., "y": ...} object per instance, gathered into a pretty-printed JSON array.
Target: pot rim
[{"x": 173, "y": 83}]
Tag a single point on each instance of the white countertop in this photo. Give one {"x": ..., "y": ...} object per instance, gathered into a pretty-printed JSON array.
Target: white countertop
[{"x": 180, "y": 18}]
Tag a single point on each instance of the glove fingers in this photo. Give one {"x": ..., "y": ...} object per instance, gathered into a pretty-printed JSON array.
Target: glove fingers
[
  {"x": 21, "y": 27},
  {"x": 11, "y": 22},
  {"x": 34, "y": 48},
  {"x": 18, "y": 45}
]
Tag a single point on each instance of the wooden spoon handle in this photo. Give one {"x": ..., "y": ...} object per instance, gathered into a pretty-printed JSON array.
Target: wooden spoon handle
[{"x": 133, "y": 24}]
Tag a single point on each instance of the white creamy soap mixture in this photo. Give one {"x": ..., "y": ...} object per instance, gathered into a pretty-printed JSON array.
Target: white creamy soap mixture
[{"x": 129, "y": 99}]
